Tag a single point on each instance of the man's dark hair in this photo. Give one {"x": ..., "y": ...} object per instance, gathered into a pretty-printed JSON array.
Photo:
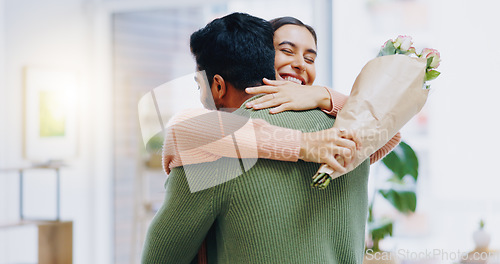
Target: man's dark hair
[
  {"x": 281, "y": 21},
  {"x": 239, "y": 47}
]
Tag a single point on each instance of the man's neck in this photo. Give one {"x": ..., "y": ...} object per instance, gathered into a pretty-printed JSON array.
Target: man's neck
[{"x": 235, "y": 101}]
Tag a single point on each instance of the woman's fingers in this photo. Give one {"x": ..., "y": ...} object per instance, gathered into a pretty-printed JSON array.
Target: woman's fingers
[
  {"x": 259, "y": 100},
  {"x": 273, "y": 82},
  {"x": 323, "y": 146},
  {"x": 262, "y": 89},
  {"x": 346, "y": 139},
  {"x": 296, "y": 97},
  {"x": 346, "y": 144},
  {"x": 352, "y": 135},
  {"x": 258, "y": 103},
  {"x": 167, "y": 159},
  {"x": 334, "y": 164},
  {"x": 265, "y": 101},
  {"x": 281, "y": 108},
  {"x": 345, "y": 155},
  {"x": 342, "y": 154}
]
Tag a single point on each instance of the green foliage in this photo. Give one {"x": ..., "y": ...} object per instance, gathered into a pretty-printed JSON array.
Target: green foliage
[
  {"x": 402, "y": 161},
  {"x": 155, "y": 144},
  {"x": 387, "y": 49},
  {"x": 404, "y": 201},
  {"x": 431, "y": 75},
  {"x": 429, "y": 61},
  {"x": 380, "y": 228}
]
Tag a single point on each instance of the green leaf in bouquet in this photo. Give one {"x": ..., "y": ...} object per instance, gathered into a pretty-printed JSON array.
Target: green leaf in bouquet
[
  {"x": 399, "y": 51},
  {"x": 380, "y": 228},
  {"x": 431, "y": 75},
  {"x": 410, "y": 51},
  {"x": 405, "y": 201},
  {"x": 387, "y": 49},
  {"x": 402, "y": 161},
  {"x": 429, "y": 61}
]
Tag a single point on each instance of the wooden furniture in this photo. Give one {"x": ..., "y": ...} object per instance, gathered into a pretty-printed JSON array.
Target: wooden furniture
[
  {"x": 55, "y": 237},
  {"x": 55, "y": 240}
]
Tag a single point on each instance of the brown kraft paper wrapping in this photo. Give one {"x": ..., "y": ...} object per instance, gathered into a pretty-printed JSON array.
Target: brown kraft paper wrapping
[{"x": 387, "y": 93}]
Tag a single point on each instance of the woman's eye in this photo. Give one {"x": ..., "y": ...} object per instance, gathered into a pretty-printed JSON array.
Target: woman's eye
[
  {"x": 309, "y": 60},
  {"x": 287, "y": 51}
]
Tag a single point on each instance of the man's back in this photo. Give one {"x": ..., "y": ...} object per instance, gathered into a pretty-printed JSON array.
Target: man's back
[
  {"x": 270, "y": 214},
  {"x": 282, "y": 219}
]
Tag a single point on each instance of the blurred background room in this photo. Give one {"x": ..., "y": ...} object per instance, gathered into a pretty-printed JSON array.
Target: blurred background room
[{"x": 72, "y": 74}]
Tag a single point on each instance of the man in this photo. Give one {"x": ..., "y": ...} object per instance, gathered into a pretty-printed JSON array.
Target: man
[{"x": 269, "y": 214}]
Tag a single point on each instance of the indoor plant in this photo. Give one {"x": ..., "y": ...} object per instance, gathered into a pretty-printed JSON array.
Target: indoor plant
[{"x": 398, "y": 190}]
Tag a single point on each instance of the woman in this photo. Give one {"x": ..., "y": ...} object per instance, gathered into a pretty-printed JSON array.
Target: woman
[{"x": 295, "y": 45}]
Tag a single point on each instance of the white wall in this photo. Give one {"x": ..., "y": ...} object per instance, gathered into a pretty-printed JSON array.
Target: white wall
[
  {"x": 2, "y": 93},
  {"x": 467, "y": 104},
  {"x": 3, "y": 191},
  {"x": 60, "y": 33},
  {"x": 464, "y": 109},
  {"x": 351, "y": 45}
]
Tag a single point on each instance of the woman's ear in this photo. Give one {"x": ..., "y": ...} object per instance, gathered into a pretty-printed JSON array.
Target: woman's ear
[{"x": 219, "y": 88}]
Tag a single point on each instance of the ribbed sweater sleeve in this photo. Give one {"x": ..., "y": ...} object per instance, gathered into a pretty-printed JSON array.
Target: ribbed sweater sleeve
[
  {"x": 200, "y": 135},
  {"x": 383, "y": 151},
  {"x": 338, "y": 100}
]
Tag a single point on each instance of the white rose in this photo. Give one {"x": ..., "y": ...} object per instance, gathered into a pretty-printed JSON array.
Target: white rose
[
  {"x": 434, "y": 54},
  {"x": 403, "y": 43}
]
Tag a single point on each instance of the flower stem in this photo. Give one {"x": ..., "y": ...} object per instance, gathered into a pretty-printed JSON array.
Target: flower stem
[
  {"x": 376, "y": 247},
  {"x": 321, "y": 181}
]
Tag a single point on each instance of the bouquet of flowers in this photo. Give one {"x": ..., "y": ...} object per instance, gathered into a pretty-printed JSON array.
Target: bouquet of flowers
[{"x": 387, "y": 93}]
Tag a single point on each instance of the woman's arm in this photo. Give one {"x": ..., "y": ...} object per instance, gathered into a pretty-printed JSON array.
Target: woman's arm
[
  {"x": 388, "y": 147},
  {"x": 201, "y": 135},
  {"x": 285, "y": 95}
]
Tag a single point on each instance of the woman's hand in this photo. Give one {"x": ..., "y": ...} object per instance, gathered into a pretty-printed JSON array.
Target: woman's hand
[
  {"x": 326, "y": 145},
  {"x": 286, "y": 95},
  {"x": 167, "y": 159}
]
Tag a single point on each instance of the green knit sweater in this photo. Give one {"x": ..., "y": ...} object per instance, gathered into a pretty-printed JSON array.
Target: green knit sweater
[{"x": 269, "y": 214}]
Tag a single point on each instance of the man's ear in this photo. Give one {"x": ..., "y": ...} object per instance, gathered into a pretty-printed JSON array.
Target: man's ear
[{"x": 219, "y": 88}]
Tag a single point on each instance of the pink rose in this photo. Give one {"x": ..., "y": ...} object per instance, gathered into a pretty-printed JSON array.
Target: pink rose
[
  {"x": 403, "y": 43},
  {"x": 434, "y": 54}
]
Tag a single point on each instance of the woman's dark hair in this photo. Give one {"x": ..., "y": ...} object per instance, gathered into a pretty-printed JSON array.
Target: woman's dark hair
[
  {"x": 238, "y": 46},
  {"x": 281, "y": 21}
]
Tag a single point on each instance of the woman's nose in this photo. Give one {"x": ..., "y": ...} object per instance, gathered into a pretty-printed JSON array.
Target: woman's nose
[{"x": 299, "y": 64}]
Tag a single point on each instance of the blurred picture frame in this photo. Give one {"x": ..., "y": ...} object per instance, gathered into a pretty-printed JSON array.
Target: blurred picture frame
[{"x": 50, "y": 114}]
